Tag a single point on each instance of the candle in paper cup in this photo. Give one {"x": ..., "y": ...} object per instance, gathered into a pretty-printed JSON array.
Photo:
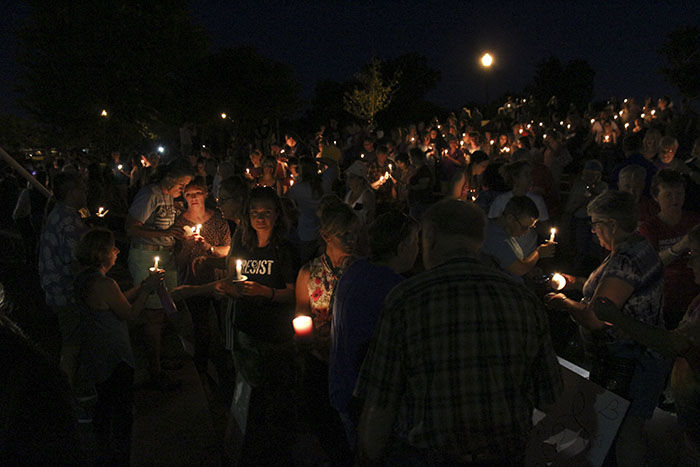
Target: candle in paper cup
[
  {"x": 239, "y": 266},
  {"x": 552, "y": 233},
  {"x": 302, "y": 325},
  {"x": 558, "y": 281}
]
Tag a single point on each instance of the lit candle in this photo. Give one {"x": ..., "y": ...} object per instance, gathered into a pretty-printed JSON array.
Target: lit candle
[
  {"x": 592, "y": 121},
  {"x": 303, "y": 325},
  {"x": 362, "y": 156},
  {"x": 643, "y": 115},
  {"x": 239, "y": 266},
  {"x": 552, "y": 233},
  {"x": 561, "y": 122},
  {"x": 291, "y": 183},
  {"x": 386, "y": 175},
  {"x": 607, "y": 138},
  {"x": 155, "y": 263},
  {"x": 247, "y": 171},
  {"x": 627, "y": 125},
  {"x": 198, "y": 229},
  {"x": 558, "y": 281},
  {"x": 653, "y": 112},
  {"x": 544, "y": 136},
  {"x": 492, "y": 142},
  {"x": 568, "y": 126},
  {"x": 120, "y": 167},
  {"x": 389, "y": 167},
  {"x": 520, "y": 130},
  {"x": 541, "y": 123},
  {"x": 101, "y": 212}
]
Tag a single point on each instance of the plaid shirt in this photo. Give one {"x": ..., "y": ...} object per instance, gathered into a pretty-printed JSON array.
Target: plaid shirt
[
  {"x": 465, "y": 354},
  {"x": 58, "y": 239}
]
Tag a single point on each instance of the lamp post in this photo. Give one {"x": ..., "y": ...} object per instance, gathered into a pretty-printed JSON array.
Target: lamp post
[{"x": 486, "y": 63}]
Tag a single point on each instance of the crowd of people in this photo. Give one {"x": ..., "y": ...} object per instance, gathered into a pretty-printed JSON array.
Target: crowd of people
[{"x": 423, "y": 256}]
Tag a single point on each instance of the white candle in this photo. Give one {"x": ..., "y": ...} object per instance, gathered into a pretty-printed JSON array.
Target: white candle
[
  {"x": 155, "y": 263},
  {"x": 239, "y": 266},
  {"x": 552, "y": 233},
  {"x": 197, "y": 229},
  {"x": 558, "y": 281},
  {"x": 302, "y": 325}
]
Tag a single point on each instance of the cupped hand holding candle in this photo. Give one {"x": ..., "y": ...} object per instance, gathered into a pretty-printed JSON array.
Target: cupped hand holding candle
[{"x": 303, "y": 325}]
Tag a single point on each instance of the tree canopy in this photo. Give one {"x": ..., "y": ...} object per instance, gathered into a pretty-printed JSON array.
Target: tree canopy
[{"x": 81, "y": 57}]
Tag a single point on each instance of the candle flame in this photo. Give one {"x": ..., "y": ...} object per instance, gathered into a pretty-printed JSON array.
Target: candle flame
[{"x": 558, "y": 281}]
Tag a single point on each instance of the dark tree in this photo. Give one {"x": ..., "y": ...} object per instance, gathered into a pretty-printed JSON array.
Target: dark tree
[
  {"x": 414, "y": 79},
  {"x": 81, "y": 57},
  {"x": 248, "y": 87},
  {"x": 571, "y": 84},
  {"x": 682, "y": 69}
]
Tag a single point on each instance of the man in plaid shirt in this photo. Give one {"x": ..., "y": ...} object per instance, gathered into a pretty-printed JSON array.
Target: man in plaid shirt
[{"x": 461, "y": 356}]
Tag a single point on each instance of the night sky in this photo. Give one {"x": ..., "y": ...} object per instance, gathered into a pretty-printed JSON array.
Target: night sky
[{"x": 333, "y": 39}]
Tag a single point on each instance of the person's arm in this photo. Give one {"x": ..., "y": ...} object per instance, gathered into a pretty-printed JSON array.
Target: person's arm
[
  {"x": 521, "y": 267},
  {"x": 670, "y": 344},
  {"x": 613, "y": 289},
  {"x": 182, "y": 292},
  {"x": 108, "y": 291},
  {"x": 672, "y": 253},
  {"x": 135, "y": 228},
  {"x": 303, "y": 302},
  {"x": 373, "y": 432}
]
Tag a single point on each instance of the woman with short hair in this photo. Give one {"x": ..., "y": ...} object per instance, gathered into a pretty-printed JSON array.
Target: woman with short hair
[{"x": 631, "y": 278}]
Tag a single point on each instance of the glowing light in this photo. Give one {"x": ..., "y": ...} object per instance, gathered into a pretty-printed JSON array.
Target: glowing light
[
  {"x": 239, "y": 267},
  {"x": 552, "y": 233},
  {"x": 486, "y": 60},
  {"x": 104, "y": 113},
  {"x": 161, "y": 149},
  {"x": 558, "y": 281},
  {"x": 223, "y": 116},
  {"x": 303, "y": 325}
]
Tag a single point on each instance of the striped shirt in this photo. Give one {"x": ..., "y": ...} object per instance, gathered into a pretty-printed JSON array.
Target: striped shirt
[{"x": 465, "y": 354}]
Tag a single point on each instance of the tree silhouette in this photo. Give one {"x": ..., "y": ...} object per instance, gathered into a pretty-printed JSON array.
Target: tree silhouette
[
  {"x": 682, "y": 53},
  {"x": 371, "y": 94},
  {"x": 83, "y": 56}
]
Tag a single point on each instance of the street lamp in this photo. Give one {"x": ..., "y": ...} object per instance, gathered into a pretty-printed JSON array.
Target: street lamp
[{"x": 486, "y": 62}]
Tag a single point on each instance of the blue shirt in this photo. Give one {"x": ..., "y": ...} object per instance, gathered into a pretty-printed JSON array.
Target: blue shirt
[
  {"x": 358, "y": 298},
  {"x": 502, "y": 248}
]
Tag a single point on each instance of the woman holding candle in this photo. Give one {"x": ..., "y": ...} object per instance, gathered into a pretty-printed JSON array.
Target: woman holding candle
[
  {"x": 631, "y": 278},
  {"x": 340, "y": 230},
  {"x": 261, "y": 333},
  {"x": 267, "y": 178},
  {"x": 667, "y": 232},
  {"x": 196, "y": 256},
  {"x": 105, "y": 309}
]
